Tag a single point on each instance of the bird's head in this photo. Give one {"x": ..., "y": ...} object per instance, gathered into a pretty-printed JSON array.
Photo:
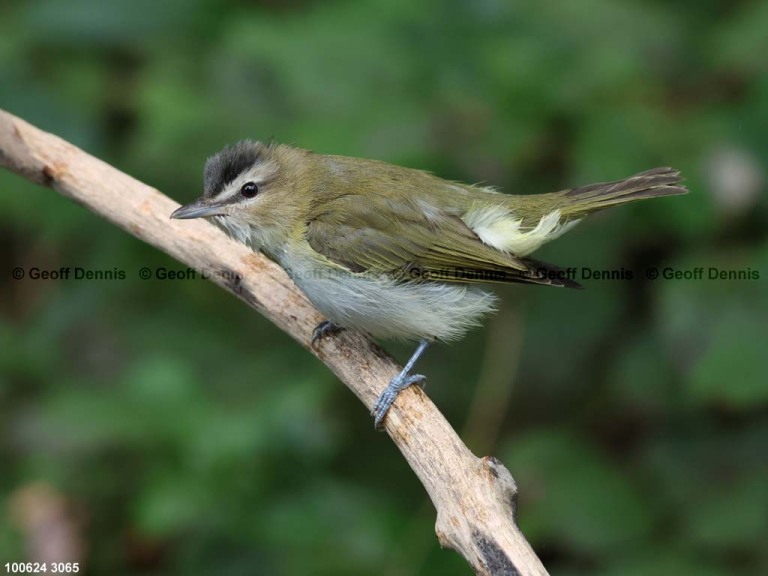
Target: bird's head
[{"x": 250, "y": 190}]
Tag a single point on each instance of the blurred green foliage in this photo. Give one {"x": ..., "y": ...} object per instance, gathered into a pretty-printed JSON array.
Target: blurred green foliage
[{"x": 192, "y": 437}]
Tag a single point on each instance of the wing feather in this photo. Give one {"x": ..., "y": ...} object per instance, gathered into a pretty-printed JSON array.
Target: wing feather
[{"x": 397, "y": 238}]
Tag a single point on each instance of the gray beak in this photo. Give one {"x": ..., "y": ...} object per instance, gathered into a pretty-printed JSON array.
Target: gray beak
[{"x": 197, "y": 210}]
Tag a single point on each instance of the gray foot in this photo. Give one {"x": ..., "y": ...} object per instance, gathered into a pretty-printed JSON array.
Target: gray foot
[
  {"x": 325, "y": 328},
  {"x": 398, "y": 383}
]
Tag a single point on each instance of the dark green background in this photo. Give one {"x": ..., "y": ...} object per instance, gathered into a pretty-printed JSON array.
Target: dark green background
[{"x": 189, "y": 436}]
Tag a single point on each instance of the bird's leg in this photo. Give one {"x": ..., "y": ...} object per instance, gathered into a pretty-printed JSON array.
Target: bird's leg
[
  {"x": 399, "y": 382},
  {"x": 325, "y": 328}
]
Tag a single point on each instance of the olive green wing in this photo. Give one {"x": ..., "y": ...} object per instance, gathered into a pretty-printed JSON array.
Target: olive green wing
[{"x": 410, "y": 240}]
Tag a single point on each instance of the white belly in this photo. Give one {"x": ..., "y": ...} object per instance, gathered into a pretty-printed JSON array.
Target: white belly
[{"x": 388, "y": 309}]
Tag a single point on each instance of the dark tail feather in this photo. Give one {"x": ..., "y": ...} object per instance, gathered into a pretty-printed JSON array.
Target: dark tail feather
[{"x": 579, "y": 202}]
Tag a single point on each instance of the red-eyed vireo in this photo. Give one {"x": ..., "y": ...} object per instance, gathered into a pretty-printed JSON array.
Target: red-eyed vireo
[{"x": 396, "y": 252}]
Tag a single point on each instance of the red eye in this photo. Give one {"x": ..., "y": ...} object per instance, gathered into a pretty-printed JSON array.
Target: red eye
[{"x": 249, "y": 189}]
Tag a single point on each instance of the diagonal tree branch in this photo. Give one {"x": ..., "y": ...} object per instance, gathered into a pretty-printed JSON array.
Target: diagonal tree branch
[{"x": 475, "y": 497}]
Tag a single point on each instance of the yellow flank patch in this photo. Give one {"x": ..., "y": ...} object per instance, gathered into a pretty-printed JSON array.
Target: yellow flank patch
[{"x": 498, "y": 227}]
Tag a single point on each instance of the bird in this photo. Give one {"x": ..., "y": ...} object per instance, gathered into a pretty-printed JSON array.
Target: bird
[{"x": 396, "y": 252}]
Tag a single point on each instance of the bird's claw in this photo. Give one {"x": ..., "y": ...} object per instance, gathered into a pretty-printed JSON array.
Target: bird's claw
[
  {"x": 325, "y": 328},
  {"x": 385, "y": 400}
]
